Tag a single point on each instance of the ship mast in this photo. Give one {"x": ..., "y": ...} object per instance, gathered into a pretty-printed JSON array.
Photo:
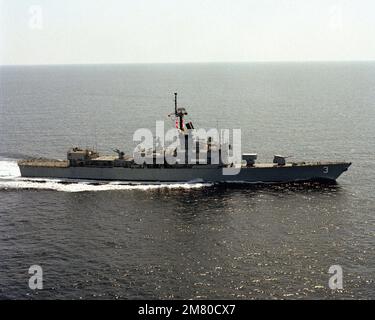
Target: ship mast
[
  {"x": 175, "y": 103},
  {"x": 179, "y": 113}
]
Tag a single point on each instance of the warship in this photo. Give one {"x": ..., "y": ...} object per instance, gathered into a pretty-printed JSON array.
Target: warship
[{"x": 88, "y": 164}]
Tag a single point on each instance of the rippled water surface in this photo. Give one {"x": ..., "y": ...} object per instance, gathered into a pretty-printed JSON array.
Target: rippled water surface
[{"x": 115, "y": 240}]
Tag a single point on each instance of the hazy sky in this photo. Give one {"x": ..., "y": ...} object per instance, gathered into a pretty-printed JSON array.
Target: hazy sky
[{"x": 132, "y": 31}]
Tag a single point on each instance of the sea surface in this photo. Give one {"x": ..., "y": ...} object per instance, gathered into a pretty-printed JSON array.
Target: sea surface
[{"x": 189, "y": 241}]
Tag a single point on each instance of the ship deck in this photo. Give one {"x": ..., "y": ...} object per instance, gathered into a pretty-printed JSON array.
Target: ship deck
[
  {"x": 65, "y": 164},
  {"x": 44, "y": 163}
]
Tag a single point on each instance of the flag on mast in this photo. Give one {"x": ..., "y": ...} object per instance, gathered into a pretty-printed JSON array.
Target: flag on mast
[{"x": 178, "y": 123}]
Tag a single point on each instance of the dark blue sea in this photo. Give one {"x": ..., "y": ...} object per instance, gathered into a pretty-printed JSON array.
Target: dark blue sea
[{"x": 189, "y": 241}]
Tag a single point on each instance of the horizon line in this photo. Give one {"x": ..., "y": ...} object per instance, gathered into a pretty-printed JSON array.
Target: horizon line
[{"x": 182, "y": 62}]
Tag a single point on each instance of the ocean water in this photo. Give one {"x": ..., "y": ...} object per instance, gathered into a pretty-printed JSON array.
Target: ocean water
[{"x": 191, "y": 241}]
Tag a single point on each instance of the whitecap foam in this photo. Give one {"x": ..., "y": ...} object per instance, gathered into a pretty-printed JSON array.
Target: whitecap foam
[{"x": 10, "y": 178}]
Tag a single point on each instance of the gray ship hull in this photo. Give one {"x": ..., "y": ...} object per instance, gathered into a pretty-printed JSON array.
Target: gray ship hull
[{"x": 257, "y": 174}]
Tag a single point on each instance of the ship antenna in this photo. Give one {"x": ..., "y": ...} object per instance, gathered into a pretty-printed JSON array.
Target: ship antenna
[
  {"x": 175, "y": 103},
  {"x": 179, "y": 113}
]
